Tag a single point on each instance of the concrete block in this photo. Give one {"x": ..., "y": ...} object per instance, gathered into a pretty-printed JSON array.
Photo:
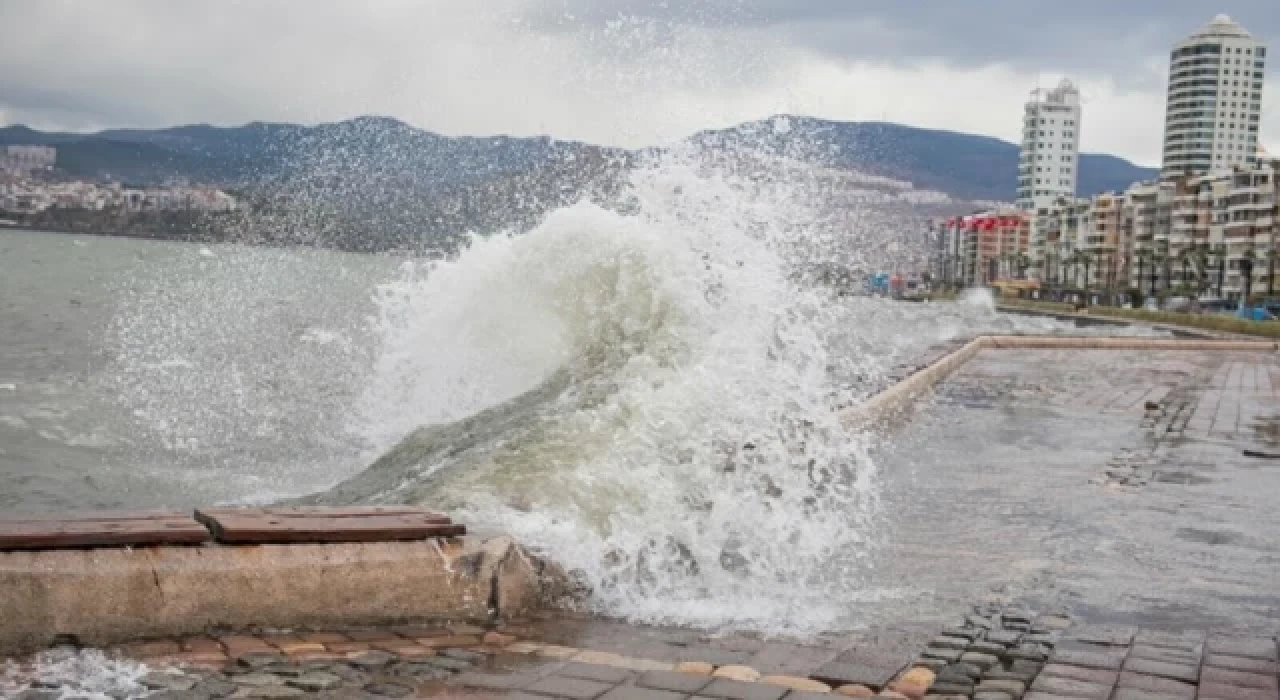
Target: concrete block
[{"x": 107, "y": 596}]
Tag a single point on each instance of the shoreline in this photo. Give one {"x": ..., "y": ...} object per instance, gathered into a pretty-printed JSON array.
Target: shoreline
[
  {"x": 275, "y": 245},
  {"x": 128, "y": 235}
]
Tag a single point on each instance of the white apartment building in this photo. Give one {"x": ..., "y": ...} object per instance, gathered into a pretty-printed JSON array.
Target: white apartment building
[
  {"x": 1145, "y": 227},
  {"x": 1048, "y": 166},
  {"x": 1214, "y": 103}
]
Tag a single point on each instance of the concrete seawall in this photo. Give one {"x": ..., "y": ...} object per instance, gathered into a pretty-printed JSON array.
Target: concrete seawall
[
  {"x": 898, "y": 398},
  {"x": 901, "y": 395},
  {"x": 1115, "y": 343},
  {"x": 103, "y": 596}
]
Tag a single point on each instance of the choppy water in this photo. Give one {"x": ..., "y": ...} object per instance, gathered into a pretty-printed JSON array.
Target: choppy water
[{"x": 140, "y": 373}]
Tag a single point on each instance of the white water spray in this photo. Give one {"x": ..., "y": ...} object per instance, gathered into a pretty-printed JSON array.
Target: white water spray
[
  {"x": 978, "y": 297},
  {"x": 659, "y": 392}
]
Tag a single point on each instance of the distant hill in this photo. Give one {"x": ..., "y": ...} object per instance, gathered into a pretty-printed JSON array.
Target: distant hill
[
  {"x": 964, "y": 166},
  {"x": 375, "y": 183},
  {"x": 263, "y": 152},
  {"x": 387, "y": 152}
]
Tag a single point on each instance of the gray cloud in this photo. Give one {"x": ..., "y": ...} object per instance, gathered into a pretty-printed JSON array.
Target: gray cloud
[
  {"x": 1084, "y": 34},
  {"x": 628, "y": 72}
]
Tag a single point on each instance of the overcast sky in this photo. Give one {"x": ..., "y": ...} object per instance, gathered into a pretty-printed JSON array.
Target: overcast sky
[{"x": 623, "y": 72}]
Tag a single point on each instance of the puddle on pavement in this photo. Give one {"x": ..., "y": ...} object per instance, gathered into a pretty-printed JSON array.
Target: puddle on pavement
[{"x": 1212, "y": 537}]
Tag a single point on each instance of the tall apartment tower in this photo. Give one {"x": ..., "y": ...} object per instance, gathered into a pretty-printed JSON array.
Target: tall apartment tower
[
  {"x": 1215, "y": 100},
  {"x": 1048, "y": 166}
]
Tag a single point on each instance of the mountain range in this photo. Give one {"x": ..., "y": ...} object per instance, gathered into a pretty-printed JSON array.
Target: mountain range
[{"x": 385, "y": 152}]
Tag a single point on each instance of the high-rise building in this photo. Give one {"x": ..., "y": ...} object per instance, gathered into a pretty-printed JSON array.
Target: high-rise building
[
  {"x": 1047, "y": 168},
  {"x": 1215, "y": 100}
]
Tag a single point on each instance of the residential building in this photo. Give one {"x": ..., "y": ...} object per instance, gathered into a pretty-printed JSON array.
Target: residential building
[
  {"x": 984, "y": 247},
  {"x": 1210, "y": 224},
  {"x": 1214, "y": 103},
  {"x": 1067, "y": 225},
  {"x": 23, "y": 160},
  {"x": 1249, "y": 228},
  {"x": 1202, "y": 234},
  {"x": 1099, "y": 240},
  {"x": 1047, "y": 166},
  {"x": 29, "y": 196},
  {"x": 1148, "y": 211}
]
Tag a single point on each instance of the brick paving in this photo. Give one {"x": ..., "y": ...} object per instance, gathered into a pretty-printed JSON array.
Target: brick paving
[{"x": 992, "y": 653}]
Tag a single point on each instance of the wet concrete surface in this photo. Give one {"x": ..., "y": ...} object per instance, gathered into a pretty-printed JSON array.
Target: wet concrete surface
[
  {"x": 1109, "y": 485},
  {"x": 892, "y": 644},
  {"x": 1044, "y": 477}
]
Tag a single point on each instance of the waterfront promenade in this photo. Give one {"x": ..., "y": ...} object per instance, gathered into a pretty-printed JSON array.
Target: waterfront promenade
[{"x": 1058, "y": 523}]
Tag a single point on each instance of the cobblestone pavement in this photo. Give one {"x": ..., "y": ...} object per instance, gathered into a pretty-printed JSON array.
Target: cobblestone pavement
[{"x": 992, "y": 653}]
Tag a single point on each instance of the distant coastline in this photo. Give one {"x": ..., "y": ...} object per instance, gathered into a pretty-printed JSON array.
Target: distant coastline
[
  {"x": 175, "y": 226},
  {"x": 19, "y": 227},
  {"x": 211, "y": 237}
]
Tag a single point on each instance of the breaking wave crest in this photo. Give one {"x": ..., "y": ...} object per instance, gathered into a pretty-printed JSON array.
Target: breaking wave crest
[{"x": 651, "y": 396}]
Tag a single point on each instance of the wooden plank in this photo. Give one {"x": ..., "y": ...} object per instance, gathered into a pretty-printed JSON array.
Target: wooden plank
[
  {"x": 315, "y": 525},
  {"x": 330, "y": 512},
  {"x": 99, "y": 530},
  {"x": 84, "y": 516}
]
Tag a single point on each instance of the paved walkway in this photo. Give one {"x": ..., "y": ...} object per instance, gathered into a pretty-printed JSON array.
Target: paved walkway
[
  {"x": 1110, "y": 483},
  {"x": 1110, "y": 486},
  {"x": 993, "y": 653}
]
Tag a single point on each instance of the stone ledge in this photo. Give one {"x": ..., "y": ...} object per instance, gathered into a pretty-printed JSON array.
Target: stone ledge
[{"x": 100, "y": 597}]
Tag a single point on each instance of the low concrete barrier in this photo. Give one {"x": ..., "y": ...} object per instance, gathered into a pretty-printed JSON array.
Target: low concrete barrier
[
  {"x": 1121, "y": 343},
  {"x": 897, "y": 398},
  {"x": 104, "y": 596}
]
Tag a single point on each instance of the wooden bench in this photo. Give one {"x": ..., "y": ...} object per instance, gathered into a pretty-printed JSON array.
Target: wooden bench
[
  {"x": 99, "y": 529},
  {"x": 281, "y": 525}
]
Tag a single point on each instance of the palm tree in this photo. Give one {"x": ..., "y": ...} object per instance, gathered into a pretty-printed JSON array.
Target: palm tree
[
  {"x": 1157, "y": 261},
  {"x": 1142, "y": 266},
  {"x": 1184, "y": 257},
  {"x": 1022, "y": 261},
  {"x": 1220, "y": 253},
  {"x": 1271, "y": 272},
  {"x": 1246, "y": 269},
  {"x": 956, "y": 272},
  {"x": 1105, "y": 269},
  {"x": 1200, "y": 257}
]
